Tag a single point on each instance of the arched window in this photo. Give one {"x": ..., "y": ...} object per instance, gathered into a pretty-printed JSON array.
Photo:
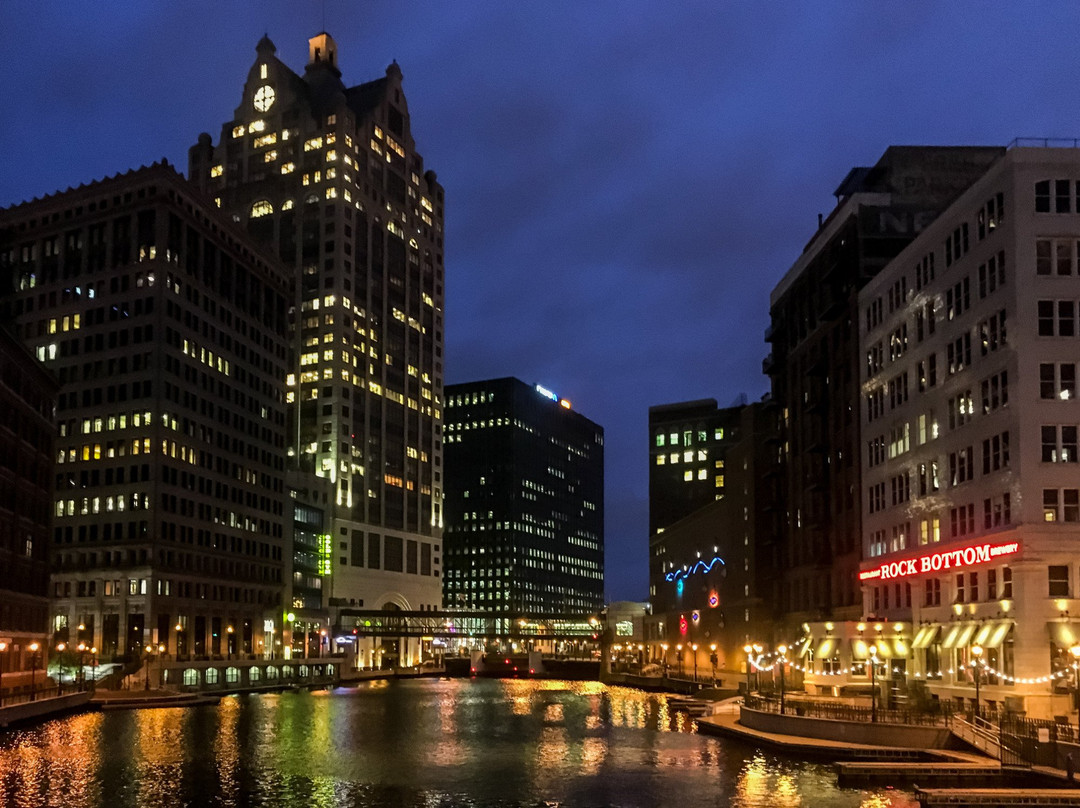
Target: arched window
[
  {"x": 287, "y": 204},
  {"x": 261, "y": 208}
]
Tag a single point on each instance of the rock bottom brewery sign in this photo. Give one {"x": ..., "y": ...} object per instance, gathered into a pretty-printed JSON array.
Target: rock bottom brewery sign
[{"x": 943, "y": 560}]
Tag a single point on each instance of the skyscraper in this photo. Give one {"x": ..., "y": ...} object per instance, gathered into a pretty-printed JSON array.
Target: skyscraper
[
  {"x": 27, "y": 431},
  {"x": 814, "y": 367},
  {"x": 329, "y": 177},
  {"x": 524, "y": 501},
  {"x": 167, "y": 332}
]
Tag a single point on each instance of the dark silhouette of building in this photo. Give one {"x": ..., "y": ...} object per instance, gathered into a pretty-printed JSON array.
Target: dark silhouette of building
[
  {"x": 329, "y": 177},
  {"x": 167, "y": 331},
  {"x": 713, "y": 498},
  {"x": 28, "y": 402},
  {"x": 814, "y": 367},
  {"x": 524, "y": 501}
]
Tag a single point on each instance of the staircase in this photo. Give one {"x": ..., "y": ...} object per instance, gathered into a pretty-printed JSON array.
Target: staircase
[{"x": 986, "y": 736}]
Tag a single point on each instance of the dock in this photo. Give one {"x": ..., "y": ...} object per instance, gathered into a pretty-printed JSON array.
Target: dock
[
  {"x": 998, "y": 797},
  {"x": 928, "y": 772}
]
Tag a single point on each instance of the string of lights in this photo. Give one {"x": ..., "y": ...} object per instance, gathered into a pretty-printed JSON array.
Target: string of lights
[{"x": 774, "y": 658}]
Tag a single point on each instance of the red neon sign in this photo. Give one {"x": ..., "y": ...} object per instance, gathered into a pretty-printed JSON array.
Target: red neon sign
[
  {"x": 943, "y": 560},
  {"x": 682, "y": 624}
]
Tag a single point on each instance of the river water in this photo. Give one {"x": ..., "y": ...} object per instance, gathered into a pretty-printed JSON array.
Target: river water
[{"x": 431, "y": 743}]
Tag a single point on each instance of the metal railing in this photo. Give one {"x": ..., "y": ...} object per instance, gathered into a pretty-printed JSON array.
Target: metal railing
[
  {"x": 807, "y": 708},
  {"x": 1045, "y": 143}
]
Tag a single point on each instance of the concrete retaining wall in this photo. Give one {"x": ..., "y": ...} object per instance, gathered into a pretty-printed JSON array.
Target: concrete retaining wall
[
  {"x": 42, "y": 708},
  {"x": 900, "y": 735}
]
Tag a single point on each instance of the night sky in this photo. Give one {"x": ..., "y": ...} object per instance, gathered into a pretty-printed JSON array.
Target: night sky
[{"x": 625, "y": 181}]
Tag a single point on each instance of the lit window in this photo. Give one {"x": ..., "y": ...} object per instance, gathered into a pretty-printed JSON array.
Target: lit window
[
  {"x": 238, "y": 131},
  {"x": 217, "y": 171},
  {"x": 288, "y": 168},
  {"x": 261, "y": 208},
  {"x": 688, "y": 475},
  {"x": 702, "y": 474},
  {"x": 266, "y": 140},
  {"x": 270, "y": 156},
  {"x": 287, "y": 204},
  {"x": 257, "y": 126}
]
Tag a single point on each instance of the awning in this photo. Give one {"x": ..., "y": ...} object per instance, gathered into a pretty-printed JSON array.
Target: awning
[
  {"x": 926, "y": 636},
  {"x": 894, "y": 648},
  {"x": 983, "y": 634},
  {"x": 860, "y": 649},
  {"x": 805, "y": 646},
  {"x": 1001, "y": 632},
  {"x": 959, "y": 635},
  {"x": 826, "y": 649},
  {"x": 1064, "y": 635}
]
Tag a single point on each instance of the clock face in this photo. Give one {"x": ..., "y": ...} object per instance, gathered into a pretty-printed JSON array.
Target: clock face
[{"x": 264, "y": 98}]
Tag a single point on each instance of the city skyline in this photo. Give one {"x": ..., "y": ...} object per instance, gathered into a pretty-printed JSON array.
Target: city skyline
[{"x": 639, "y": 166}]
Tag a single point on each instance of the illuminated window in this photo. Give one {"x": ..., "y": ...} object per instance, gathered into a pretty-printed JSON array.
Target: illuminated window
[
  {"x": 331, "y": 193},
  {"x": 314, "y": 143},
  {"x": 688, "y": 475},
  {"x": 270, "y": 156},
  {"x": 702, "y": 474},
  {"x": 262, "y": 71},
  {"x": 687, "y": 456},
  {"x": 217, "y": 171},
  {"x": 257, "y": 126},
  {"x": 288, "y": 168},
  {"x": 660, "y": 460},
  {"x": 261, "y": 208},
  {"x": 238, "y": 131},
  {"x": 266, "y": 140}
]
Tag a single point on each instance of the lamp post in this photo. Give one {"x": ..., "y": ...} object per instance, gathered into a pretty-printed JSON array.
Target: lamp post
[
  {"x": 60, "y": 646},
  {"x": 712, "y": 661},
  {"x": 757, "y": 671},
  {"x": 33, "y": 667},
  {"x": 781, "y": 661},
  {"x": 80, "y": 677},
  {"x": 679, "y": 658},
  {"x": 1075, "y": 651},
  {"x": 748, "y": 649},
  {"x": 976, "y": 665},
  {"x": 148, "y": 651},
  {"x": 873, "y": 683},
  {"x": 693, "y": 647},
  {"x": 179, "y": 633},
  {"x": 664, "y": 648}
]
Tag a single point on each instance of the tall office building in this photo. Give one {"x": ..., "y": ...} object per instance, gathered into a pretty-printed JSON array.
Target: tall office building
[
  {"x": 712, "y": 557},
  {"x": 27, "y": 431},
  {"x": 970, "y": 417},
  {"x": 815, "y": 362},
  {"x": 329, "y": 176},
  {"x": 167, "y": 332},
  {"x": 524, "y": 502}
]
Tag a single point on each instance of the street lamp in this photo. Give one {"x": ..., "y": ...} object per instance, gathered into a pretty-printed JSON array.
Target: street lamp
[
  {"x": 81, "y": 676},
  {"x": 693, "y": 646},
  {"x": 757, "y": 671},
  {"x": 179, "y": 631},
  {"x": 33, "y": 666},
  {"x": 148, "y": 651},
  {"x": 976, "y": 664},
  {"x": 783, "y": 650},
  {"x": 229, "y": 641},
  {"x": 873, "y": 683},
  {"x": 748, "y": 649},
  {"x": 3, "y": 649},
  {"x": 712, "y": 661},
  {"x": 1075, "y": 651},
  {"x": 664, "y": 647},
  {"x": 678, "y": 657},
  {"x": 60, "y": 646}
]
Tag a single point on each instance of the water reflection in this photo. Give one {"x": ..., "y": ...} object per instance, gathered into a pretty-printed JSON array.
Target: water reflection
[{"x": 438, "y": 743}]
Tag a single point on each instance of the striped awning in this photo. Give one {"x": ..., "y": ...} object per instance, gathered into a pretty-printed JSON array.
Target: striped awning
[
  {"x": 1000, "y": 634},
  {"x": 959, "y": 635},
  {"x": 926, "y": 636},
  {"x": 992, "y": 634}
]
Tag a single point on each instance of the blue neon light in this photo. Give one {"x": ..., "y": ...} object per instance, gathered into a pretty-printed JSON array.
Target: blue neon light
[
  {"x": 701, "y": 566},
  {"x": 679, "y": 586}
]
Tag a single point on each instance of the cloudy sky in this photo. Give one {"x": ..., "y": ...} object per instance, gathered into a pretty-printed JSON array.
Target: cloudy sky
[{"x": 625, "y": 181}]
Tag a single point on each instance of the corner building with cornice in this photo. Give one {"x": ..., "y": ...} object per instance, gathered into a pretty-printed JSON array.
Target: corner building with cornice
[{"x": 329, "y": 177}]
